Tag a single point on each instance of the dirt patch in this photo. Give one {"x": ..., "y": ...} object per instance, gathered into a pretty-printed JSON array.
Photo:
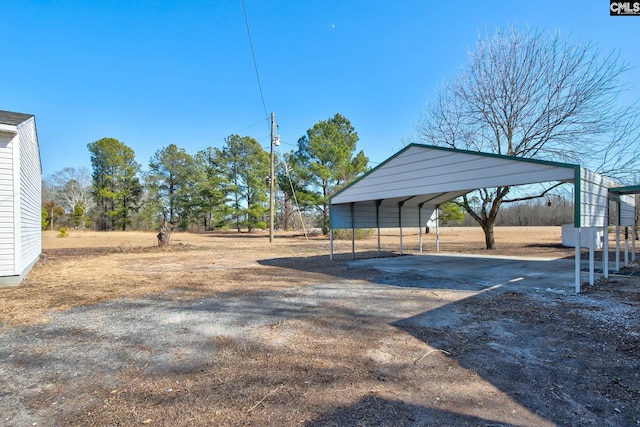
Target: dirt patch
[{"x": 221, "y": 329}]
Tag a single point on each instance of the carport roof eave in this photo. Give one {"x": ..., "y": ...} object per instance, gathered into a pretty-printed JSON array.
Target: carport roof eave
[
  {"x": 630, "y": 189},
  {"x": 495, "y": 156},
  {"x": 430, "y": 199},
  {"x": 575, "y": 167}
]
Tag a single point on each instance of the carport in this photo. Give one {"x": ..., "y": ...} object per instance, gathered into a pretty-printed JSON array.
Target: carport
[
  {"x": 406, "y": 189},
  {"x": 626, "y": 219}
]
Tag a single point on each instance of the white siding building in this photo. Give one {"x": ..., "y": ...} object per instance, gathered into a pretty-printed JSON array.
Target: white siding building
[{"x": 20, "y": 196}]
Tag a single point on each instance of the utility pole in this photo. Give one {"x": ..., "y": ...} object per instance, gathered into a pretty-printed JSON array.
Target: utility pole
[{"x": 272, "y": 179}]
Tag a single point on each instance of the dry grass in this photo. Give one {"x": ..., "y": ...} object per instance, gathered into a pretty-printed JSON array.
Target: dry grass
[
  {"x": 89, "y": 267},
  {"x": 326, "y": 366}
]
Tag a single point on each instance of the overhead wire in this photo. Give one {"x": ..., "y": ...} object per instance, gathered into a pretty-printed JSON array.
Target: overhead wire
[
  {"x": 264, "y": 106},
  {"x": 255, "y": 67},
  {"x": 253, "y": 56},
  {"x": 295, "y": 199},
  {"x": 287, "y": 169}
]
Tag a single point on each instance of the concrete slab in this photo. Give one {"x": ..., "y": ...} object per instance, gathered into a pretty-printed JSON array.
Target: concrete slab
[{"x": 472, "y": 272}]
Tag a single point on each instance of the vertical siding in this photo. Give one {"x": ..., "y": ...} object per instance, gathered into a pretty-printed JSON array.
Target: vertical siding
[
  {"x": 627, "y": 210},
  {"x": 340, "y": 216},
  {"x": 410, "y": 216},
  {"x": 389, "y": 215},
  {"x": 365, "y": 215},
  {"x": 30, "y": 195},
  {"x": 7, "y": 238},
  {"x": 594, "y": 199}
]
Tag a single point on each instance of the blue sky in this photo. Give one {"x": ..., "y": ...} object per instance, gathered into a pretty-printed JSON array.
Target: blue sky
[{"x": 154, "y": 73}]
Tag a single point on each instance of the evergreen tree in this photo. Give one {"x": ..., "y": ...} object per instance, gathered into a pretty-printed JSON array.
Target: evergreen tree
[
  {"x": 171, "y": 178},
  {"x": 327, "y": 154},
  {"x": 212, "y": 190},
  {"x": 246, "y": 166},
  {"x": 116, "y": 187}
]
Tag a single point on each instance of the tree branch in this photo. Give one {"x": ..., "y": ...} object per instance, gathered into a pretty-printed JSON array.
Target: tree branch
[{"x": 544, "y": 193}]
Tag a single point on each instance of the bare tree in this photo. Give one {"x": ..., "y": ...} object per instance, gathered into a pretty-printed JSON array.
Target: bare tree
[
  {"x": 73, "y": 191},
  {"x": 535, "y": 95}
]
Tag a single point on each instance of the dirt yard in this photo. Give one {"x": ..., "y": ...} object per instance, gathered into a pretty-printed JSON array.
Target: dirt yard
[{"x": 229, "y": 329}]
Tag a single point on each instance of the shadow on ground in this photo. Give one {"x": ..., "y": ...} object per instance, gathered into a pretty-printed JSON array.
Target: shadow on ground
[
  {"x": 552, "y": 353},
  {"x": 443, "y": 271},
  {"x": 555, "y": 356},
  {"x": 570, "y": 359},
  {"x": 365, "y": 267},
  {"x": 376, "y": 411}
]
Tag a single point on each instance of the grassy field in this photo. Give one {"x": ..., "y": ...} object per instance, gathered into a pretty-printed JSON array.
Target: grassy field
[{"x": 58, "y": 281}]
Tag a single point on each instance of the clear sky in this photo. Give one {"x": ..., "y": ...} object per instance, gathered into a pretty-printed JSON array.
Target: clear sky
[{"x": 153, "y": 73}]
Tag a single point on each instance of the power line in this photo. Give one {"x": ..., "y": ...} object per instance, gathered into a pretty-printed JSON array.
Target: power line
[{"x": 255, "y": 64}]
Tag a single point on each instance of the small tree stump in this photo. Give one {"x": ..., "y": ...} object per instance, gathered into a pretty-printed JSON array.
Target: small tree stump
[{"x": 164, "y": 235}]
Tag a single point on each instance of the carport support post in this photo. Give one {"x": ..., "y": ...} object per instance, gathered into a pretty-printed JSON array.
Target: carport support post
[
  {"x": 592, "y": 238},
  {"x": 378, "y": 203},
  {"x": 353, "y": 243},
  {"x": 400, "y": 221},
  {"x": 633, "y": 243},
  {"x": 420, "y": 225},
  {"x": 353, "y": 233},
  {"x": 577, "y": 260},
  {"x": 437, "y": 229},
  {"x": 618, "y": 243},
  {"x": 626, "y": 246},
  {"x": 605, "y": 251},
  {"x": 330, "y": 244},
  {"x": 619, "y": 216}
]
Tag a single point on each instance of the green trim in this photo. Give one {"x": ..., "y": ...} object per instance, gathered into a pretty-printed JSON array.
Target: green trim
[
  {"x": 577, "y": 198},
  {"x": 631, "y": 189},
  {"x": 497, "y": 156}
]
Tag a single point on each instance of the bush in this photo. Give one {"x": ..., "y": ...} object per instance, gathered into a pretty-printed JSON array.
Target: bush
[
  {"x": 345, "y": 233},
  {"x": 45, "y": 218}
]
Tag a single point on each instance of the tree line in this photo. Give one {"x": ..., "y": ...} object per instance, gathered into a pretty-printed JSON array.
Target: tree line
[
  {"x": 214, "y": 188},
  {"x": 529, "y": 94}
]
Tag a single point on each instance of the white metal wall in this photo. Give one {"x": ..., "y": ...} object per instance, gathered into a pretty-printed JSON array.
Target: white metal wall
[
  {"x": 389, "y": 215},
  {"x": 627, "y": 210},
  {"x": 7, "y": 230},
  {"x": 30, "y": 196},
  {"x": 594, "y": 199}
]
